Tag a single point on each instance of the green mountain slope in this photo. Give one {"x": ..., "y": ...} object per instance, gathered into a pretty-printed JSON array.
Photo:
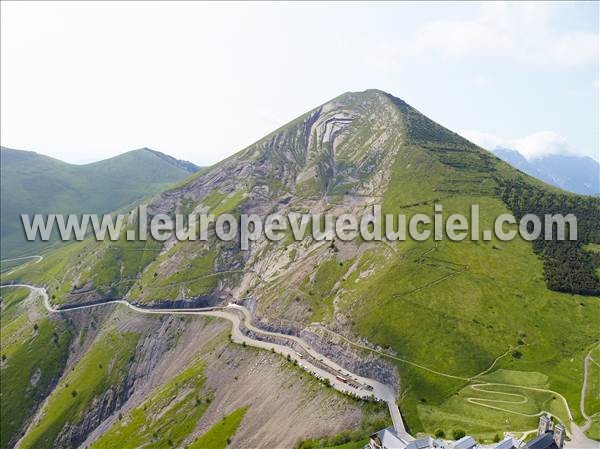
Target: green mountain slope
[
  {"x": 435, "y": 318},
  {"x": 33, "y": 183},
  {"x": 150, "y": 381},
  {"x": 34, "y": 351}
]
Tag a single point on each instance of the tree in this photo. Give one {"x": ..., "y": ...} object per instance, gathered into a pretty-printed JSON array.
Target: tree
[
  {"x": 458, "y": 434},
  {"x": 439, "y": 433},
  {"x": 568, "y": 267}
]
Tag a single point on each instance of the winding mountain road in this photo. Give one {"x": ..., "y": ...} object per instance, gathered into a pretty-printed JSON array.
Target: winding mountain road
[
  {"x": 239, "y": 315},
  {"x": 586, "y": 362},
  {"x": 38, "y": 259},
  {"x": 579, "y": 436}
]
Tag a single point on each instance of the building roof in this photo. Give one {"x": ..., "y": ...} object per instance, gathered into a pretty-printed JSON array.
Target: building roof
[
  {"x": 507, "y": 443},
  {"x": 421, "y": 443},
  {"x": 545, "y": 441},
  {"x": 389, "y": 439},
  {"x": 466, "y": 442}
]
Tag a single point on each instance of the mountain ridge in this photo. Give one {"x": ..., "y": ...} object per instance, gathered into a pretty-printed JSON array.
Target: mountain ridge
[
  {"x": 445, "y": 313},
  {"x": 35, "y": 183},
  {"x": 190, "y": 166},
  {"x": 577, "y": 174}
]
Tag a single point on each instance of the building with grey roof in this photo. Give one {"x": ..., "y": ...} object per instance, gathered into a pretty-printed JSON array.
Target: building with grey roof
[
  {"x": 466, "y": 442},
  {"x": 549, "y": 436},
  {"x": 389, "y": 439},
  {"x": 544, "y": 441},
  {"x": 423, "y": 443}
]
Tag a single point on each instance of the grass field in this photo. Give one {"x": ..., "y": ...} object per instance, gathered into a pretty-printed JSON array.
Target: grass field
[
  {"x": 455, "y": 307},
  {"x": 193, "y": 278},
  {"x": 594, "y": 431},
  {"x": 219, "y": 436},
  {"x": 501, "y": 401},
  {"x": 592, "y": 397},
  {"x": 34, "y": 352},
  {"x": 318, "y": 288}
]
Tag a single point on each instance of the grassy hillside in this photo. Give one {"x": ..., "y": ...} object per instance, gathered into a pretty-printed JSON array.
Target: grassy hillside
[
  {"x": 166, "y": 418},
  {"x": 33, "y": 183},
  {"x": 102, "y": 368},
  {"x": 34, "y": 351},
  {"x": 219, "y": 436},
  {"x": 465, "y": 324}
]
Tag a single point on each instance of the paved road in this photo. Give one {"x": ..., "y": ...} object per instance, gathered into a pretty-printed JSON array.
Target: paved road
[
  {"x": 37, "y": 260},
  {"x": 578, "y": 438},
  {"x": 586, "y": 363},
  {"x": 237, "y": 315}
]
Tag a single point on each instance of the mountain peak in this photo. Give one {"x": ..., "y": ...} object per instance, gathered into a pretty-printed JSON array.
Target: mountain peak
[{"x": 190, "y": 167}]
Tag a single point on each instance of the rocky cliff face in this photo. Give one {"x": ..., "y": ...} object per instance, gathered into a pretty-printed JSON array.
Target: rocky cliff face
[
  {"x": 234, "y": 377},
  {"x": 337, "y": 158},
  {"x": 103, "y": 406},
  {"x": 344, "y": 145},
  {"x": 158, "y": 337},
  {"x": 339, "y": 155}
]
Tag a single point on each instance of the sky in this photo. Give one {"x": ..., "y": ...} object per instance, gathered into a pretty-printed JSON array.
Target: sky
[{"x": 83, "y": 81}]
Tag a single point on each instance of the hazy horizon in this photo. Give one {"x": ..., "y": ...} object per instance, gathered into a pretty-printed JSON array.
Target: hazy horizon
[{"x": 83, "y": 82}]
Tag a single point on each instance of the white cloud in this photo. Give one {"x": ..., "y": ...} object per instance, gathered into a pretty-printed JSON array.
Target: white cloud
[
  {"x": 533, "y": 146},
  {"x": 484, "y": 140},
  {"x": 540, "y": 144},
  {"x": 516, "y": 31}
]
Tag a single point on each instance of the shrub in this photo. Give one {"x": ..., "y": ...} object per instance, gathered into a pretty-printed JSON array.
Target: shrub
[{"x": 458, "y": 434}]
